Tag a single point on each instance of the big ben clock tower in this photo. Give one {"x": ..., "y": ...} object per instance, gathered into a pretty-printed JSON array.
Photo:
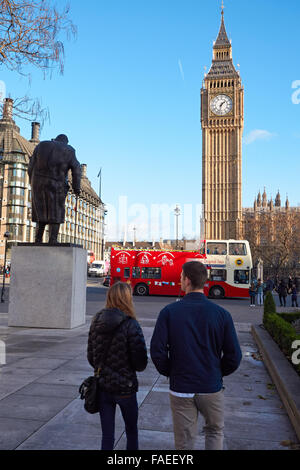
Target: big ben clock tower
[{"x": 222, "y": 121}]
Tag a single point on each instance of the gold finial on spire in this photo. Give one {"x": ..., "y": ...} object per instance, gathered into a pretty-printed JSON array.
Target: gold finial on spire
[{"x": 222, "y": 7}]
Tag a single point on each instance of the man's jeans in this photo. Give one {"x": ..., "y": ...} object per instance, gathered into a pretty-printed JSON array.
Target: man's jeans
[
  {"x": 185, "y": 418},
  {"x": 129, "y": 410}
]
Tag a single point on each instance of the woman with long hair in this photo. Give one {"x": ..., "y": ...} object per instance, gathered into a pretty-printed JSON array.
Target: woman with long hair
[{"x": 116, "y": 346}]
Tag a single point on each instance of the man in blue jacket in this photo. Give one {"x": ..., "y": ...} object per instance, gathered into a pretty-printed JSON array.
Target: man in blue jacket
[{"x": 195, "y": 344}]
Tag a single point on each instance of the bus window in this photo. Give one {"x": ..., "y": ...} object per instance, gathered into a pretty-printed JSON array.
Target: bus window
[
  {"x": 151, "y": 273},
  {"x": 126, "y": 272},
  {"x": 215, "y": 248},
  {"x": 202, "y": 248},
  {"x": 218, "y": 274},
  {"x": 237, "y": 249},
  {"x": 136, "y": 273},
  {"x": 241, "y": 276}
]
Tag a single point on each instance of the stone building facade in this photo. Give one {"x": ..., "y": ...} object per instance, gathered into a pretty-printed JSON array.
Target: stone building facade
[
  {"x": 273, "y": 231},
  {"x": 83, "y": 226},
  {"x": 222, "y": 121}
]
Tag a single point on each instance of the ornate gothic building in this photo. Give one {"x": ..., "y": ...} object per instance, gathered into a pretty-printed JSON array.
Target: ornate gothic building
[{"x": 264, "y": 210}]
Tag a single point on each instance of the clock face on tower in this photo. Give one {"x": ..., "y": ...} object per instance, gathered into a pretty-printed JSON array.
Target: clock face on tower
[{"x": 221, "y": 105}]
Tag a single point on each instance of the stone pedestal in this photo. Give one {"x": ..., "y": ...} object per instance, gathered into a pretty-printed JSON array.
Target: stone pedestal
[{"x": 47, "y": 287}]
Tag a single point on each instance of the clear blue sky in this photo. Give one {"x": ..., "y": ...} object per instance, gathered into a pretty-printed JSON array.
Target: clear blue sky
[{"x": 129, "y": 99}]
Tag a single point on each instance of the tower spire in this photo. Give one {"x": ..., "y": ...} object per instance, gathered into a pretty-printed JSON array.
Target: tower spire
[{"x": 222, "y": 39}]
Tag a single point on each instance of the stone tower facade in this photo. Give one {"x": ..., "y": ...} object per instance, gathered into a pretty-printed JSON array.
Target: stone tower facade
[{"x": 222, "y": 121}]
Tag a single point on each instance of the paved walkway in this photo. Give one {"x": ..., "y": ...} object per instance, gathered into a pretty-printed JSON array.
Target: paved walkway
[{"x": 40, "y": 407}]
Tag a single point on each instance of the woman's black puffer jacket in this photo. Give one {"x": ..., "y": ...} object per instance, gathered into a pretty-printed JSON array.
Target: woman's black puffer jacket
[{"x": 127, "y": 352}]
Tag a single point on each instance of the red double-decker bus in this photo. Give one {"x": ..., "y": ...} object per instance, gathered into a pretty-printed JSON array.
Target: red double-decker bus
[
  {"x": 150, "y": 272},
  {"x": 154, "y": 272}
]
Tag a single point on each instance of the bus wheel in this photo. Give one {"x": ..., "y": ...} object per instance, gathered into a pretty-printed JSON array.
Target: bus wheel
[
  {"x": 141, "y": 289},
  {"x": 217, "y": 292}
]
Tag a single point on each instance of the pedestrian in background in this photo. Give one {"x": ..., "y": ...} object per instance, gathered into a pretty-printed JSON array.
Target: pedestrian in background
[
  {"x": 116, "y": 339},
  {"x": 294, "y": 296},
  {"x": 269, "y": 285},
  {"x": 282, "y": 292},
  {"x": 195, "y": 344},
  {"x": 260, "y": 292},
  {"x": 252, "y": 293}
]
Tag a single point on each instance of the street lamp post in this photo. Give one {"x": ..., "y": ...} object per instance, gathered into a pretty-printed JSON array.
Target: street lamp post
[
  {"x": 134, "y": 235},
  {"x": 177, "y": 214},
  {"x": 6, "y": 235},
  {"x": 102, "y": 229}
]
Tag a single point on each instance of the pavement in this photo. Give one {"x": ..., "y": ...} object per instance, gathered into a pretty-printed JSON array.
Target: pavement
[{"x": 40, "y": 408}]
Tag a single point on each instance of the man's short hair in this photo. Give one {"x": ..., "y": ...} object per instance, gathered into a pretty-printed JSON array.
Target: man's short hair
[{"x": 196, "y": 272}]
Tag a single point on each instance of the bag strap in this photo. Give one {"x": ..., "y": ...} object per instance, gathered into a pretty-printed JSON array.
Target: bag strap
[{"x": 97, "y": 372}]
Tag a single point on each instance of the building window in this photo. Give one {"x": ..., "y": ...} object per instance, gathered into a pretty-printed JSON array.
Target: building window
[
  {"x": 28, "y": 233},
  {"x": 15, "y": 210},
  {"x": 17, "y": 191}
]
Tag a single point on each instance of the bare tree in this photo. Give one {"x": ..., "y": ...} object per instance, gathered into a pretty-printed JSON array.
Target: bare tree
[
  {"x": 30, "y": 109},
  {"x": 275, "y": 238},
  {"x": 30, "y": 32}
]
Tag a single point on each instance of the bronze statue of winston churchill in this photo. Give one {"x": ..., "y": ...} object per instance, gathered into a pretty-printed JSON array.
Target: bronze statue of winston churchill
[{"x": 48, "y": 174}]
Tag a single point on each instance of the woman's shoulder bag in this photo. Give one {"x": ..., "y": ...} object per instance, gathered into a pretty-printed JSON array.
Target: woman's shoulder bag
[{"x": 90, "y": 388}]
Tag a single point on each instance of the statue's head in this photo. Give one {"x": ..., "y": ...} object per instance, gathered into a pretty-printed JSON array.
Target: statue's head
[{"x": 62, "y": 138}]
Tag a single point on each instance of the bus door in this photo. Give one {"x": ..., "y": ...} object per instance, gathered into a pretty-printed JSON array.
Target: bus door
[{"x": 240, "y": 264}]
